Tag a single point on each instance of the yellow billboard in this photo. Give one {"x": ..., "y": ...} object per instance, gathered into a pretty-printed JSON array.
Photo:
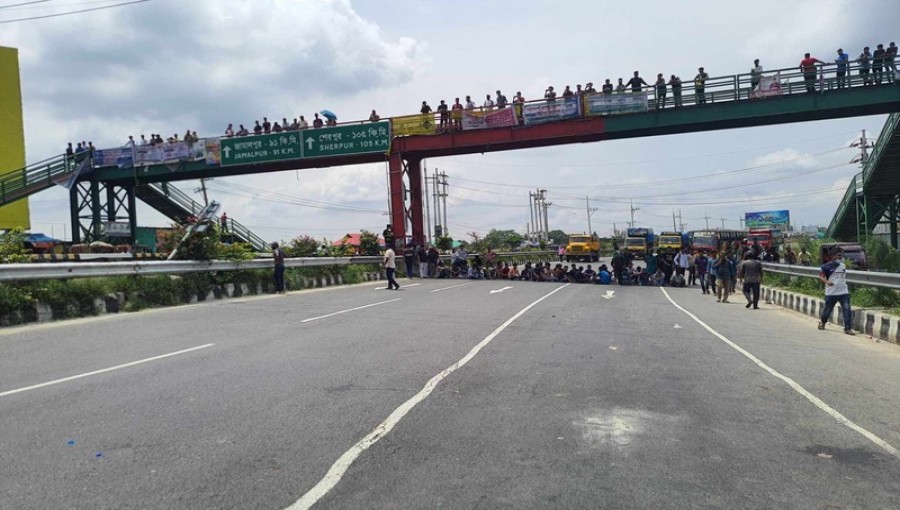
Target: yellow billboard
[
  {"x": 12, "y": 136},
  {"x": 422, "y": 124}
]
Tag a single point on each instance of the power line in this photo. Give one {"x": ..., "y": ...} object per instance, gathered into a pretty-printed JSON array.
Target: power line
[
  {"x": 24, "y": 3},
  {"x": 69, "y": 13}
]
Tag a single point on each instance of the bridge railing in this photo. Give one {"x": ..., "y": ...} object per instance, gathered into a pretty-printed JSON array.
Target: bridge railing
[
  {"x": 863, "y": 278},
  {"x": 848, "y": 200},
  {"x": 887, "y": 133},
  {"x": 40, "y": 175}
]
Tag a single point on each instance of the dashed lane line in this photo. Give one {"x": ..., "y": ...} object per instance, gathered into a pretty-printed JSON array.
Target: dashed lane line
[{"x": 349, "y": 310}]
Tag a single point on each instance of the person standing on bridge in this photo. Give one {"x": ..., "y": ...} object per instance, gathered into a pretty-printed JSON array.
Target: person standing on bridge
[
  {"x": 390, "y": 267},
  {"x": 501, "y": 101},
  {"x": 755, "y": 77},
  {"x": 808, "y": 66},
  {"x": 675, "y": 83},
  {"x": 444, "y": 112},
  {"x": 425, "y": 109},
  {"x": 700, "y": 85},
  {"x": 878, "y": 64},
  {"x": 278, "y": 256},
  {"x": 470, "y": 105},
  {"x": 456, "y": 115},
  {"x": 488, "y": 103},
  {"x": 834, "y": 276},
  {"x": 636, "y": 82},
  {"x": 890, "y": 59},
  {"x": 842, "y": 60},
  {"x": 660, "y": 91},
  {"x": 865, "y": 63},
  {"x": 266, "y": 125},
  {"x": 607, "y": 88}
]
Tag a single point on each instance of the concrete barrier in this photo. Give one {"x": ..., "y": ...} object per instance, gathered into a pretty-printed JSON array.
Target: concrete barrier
[
  {"x": 875, "y": 323},
  {"x": 114, "y": 303}
]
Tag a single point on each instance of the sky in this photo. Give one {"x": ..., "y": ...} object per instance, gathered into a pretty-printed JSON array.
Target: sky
[{"x": 165, "y": 66}]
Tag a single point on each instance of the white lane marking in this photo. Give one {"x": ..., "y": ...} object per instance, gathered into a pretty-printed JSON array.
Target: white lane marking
[
  {"x": 452, "y": 287},
  {"x": 340, "y": 466},
  {"x": 348, "y": 310},
  {"x": 500, "y": 290},
  {"x": 402, "y": 286},
  {"x": 793, "y": 384},
  {"x": 96, "y": 372},
  {"x": 609, "y": 294}
]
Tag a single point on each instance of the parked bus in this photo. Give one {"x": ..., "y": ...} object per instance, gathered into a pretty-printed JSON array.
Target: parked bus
[{"x": 711, "y": 240}]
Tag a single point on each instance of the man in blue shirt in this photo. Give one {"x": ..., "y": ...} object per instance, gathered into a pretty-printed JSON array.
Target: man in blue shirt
[
  {"x": 841, "y": 61},
  {"x": 834, "y": 276}
]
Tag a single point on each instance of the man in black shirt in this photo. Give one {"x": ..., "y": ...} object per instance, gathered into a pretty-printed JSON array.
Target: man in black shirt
[
  {"x": 878, "y": 63},
  {"x": 607, "y": 87},
  {"x": 636, "y": 82},
  {"x": 267, "y": 126},
  {"x": 445, "y": 116}
]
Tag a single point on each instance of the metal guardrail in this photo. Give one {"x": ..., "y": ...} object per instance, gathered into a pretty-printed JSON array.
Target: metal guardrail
[
  {"x": 70, "y": 270},
  {"x": 865, "y": 278}
]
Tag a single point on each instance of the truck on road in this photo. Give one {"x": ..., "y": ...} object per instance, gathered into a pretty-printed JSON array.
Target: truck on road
[
  {"x": 767, "y": 237},
  {"x": 639, "y": 241},
  {"x": 670, "y": 242},
  {"x": 583, "y": 247}
]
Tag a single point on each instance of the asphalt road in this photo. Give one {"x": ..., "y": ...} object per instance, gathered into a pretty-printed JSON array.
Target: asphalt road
[{"x": 538, "y": 396}]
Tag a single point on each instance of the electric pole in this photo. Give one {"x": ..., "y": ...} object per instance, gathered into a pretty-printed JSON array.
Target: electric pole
[
  {"x": 427, "y": 206},
  {"x": 723, "y": 223},
  {"x": 202, "y": 189},
  {"x": 444, "y": 198},
  {"x": 531, "y": 211},
  {"x": 633, "y": 208},
  {"x": 706, "y": 217},
  {"x": 680, "y": 222},
  {"x": 435, "y": 195},
  {"x": 590, "y": 211}
]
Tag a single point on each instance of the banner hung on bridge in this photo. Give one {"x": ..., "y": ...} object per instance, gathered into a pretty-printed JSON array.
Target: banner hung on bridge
[
  {"x": 768, "y": 86},
  {"x": 422, "y": 124},
  {"x": 560, "y": 109},
  {"x": 121, "y": 157},
  {"x": 213, "y": 151},
  {"x": 611, "y": 104},
  {"x": 504, "y": 117}
]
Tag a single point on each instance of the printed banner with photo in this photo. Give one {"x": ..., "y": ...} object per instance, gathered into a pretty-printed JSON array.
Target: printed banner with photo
[
  {"x": 611, "y": 104},
  {"x": 422, "y": 124},
  {"x": 213, "y": 151},
  {"x": 121, "y": 157},
  {"x": 768, "y": 86},
  {"x": 560, "y": 109},
  {"x": 504, "y": 117}
]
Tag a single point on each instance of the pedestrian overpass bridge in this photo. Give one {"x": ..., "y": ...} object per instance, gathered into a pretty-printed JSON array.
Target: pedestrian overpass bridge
[{"x": 105, "y": 191}]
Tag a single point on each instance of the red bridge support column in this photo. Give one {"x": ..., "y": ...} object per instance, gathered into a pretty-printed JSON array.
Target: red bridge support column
[{"x": 407, "y": 215}]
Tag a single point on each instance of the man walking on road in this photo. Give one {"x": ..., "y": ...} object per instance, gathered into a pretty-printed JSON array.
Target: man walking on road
[
  {"x": 390, "y": 267},
  {"x": 751, "y": 272},
  {"x": 834, "y": 276}
]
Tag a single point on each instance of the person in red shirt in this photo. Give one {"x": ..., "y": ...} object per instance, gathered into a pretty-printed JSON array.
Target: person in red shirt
[
  {"x": 456, "y": 115},
  {"x": 808, "y": 66}
]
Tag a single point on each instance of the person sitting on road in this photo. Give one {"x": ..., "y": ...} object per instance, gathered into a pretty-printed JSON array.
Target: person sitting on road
[
  {"x": 603, "y": 276},
  {"x": 442, "y": 270},
  {"x": 526, "y": 272},
  {"x": 474, "y": 273},
  {"x": 644, "y": 278},
  {"x": 678, "y": 280},
  {"x": 513, "y": 273},
  {"x": 659, "y": 278},
  {"x": 589, "y": 274}
]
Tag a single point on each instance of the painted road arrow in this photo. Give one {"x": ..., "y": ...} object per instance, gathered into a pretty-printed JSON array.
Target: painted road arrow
[
  {"x": 500, "y": 290},
  {"x": 609, "y": 294}
]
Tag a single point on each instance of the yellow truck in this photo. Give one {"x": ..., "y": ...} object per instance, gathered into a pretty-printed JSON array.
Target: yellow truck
[
  {"x": 670, "y": 242},
  {"x": 583, "y": 247}
]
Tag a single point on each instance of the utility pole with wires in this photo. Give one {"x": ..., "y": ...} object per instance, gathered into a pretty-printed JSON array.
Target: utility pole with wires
[
  {"x": 444, "y": 194},
  {"x": 633, "y": 208},
  {"x": 427, "y": 205},
  {"x": 590, "y": 211},
  {"x": 202, "y": 189},
  {"x": 534, "y": 229},
  {"x": 723, "y": 223},
  {"x": 706, "y": 217},
  {"x": 863, "y": 144}
]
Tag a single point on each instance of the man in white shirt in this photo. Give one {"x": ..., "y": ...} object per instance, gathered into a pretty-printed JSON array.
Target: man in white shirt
[
  {"x": 303, "y": 123},
  {"x": 834, "y": 276},
  {"x": 470, "y": 105},
  {"x": 682, "y": 263},
  {"x": 390, "y": 267},
  {"x": 488, "y": 104}
]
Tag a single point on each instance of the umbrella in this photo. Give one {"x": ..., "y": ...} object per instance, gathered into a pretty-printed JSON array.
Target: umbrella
[{"x": 328, "y": 114}]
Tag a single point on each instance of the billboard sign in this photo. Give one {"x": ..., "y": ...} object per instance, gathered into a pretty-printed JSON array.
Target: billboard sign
[{"x": 768, "y": 219}]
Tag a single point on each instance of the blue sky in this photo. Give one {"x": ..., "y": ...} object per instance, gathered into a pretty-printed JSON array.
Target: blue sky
[{"x": 168, "y": 65}]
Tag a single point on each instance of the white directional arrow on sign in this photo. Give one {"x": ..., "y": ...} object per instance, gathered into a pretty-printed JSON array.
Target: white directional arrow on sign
[
  {"x": 309, "y": 142},
  {"x": 500, "y": 290},
  {"x": 609, "y": 294},
  {"x": 227, "y": 151}
]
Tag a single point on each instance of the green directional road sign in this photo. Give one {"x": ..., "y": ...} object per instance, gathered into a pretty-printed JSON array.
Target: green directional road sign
[
  {"x": 342, "y": 140},
  {"x": 247, "y": 150}
]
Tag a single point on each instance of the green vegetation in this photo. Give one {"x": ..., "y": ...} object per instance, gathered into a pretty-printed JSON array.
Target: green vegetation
[{"x": 12, "y": 247}]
